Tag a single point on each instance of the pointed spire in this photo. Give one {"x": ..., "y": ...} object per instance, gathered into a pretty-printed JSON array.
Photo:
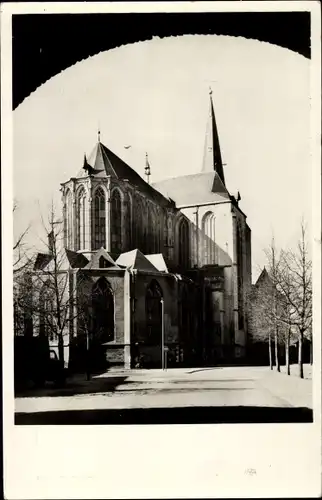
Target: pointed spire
[
  {"x": 212, "y": 155},
  {"x": 98, "y": 135},
  {"x": 86, "y": 166},
  {"x": 147, "y": 169}
]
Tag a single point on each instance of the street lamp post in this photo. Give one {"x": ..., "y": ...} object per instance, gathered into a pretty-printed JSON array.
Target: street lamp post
[
  {"x": 88, "y": 368},
  {"x": 162, "y": 332}
]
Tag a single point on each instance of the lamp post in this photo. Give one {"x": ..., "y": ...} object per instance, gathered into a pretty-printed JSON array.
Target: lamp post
[
  {"x": 88, "y": 364},
  {"x": 162, "y": 332}
]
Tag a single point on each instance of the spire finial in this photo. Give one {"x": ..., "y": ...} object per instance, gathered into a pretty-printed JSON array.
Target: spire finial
[
  {"x": 99, "y": 135},
  {"x": 147, "y": 168},
  {"x": 210, "y": 91}
]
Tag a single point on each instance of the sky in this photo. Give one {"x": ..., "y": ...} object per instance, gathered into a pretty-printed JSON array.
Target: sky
[{"x": 154, "y": 96}]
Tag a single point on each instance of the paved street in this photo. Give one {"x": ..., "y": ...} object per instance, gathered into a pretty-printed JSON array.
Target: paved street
[{"x": 209, "y": 389}]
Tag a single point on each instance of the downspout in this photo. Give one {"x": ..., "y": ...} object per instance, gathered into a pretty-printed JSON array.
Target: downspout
[
  {"x": 132, "y": 276},
  {"x": 128, "y": 317},
  {"x": 197, "y": 234}
]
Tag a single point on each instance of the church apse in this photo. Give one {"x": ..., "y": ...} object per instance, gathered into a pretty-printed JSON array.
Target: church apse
[{"x": 187, "y": 248}]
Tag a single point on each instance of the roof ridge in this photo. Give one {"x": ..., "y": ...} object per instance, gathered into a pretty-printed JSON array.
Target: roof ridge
[
  {"x": 180, "y": 176},
  {"x": 104, "y": 153}
]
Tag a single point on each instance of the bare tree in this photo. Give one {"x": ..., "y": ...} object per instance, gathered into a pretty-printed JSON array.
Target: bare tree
[
  {"x": 22, "y": 264},
  {"x": 51, "y": 301},
  {"x": 275, "y": 306},
  {"x": 267, "y": 307},
  {"x": 296, "y": 286},
  {"x": 286, "y": 312},
  {"x": 21, "y": 260},
  {"x": 260, "y": 320}
]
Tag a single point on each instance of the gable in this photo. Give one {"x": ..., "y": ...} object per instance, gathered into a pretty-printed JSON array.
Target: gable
[
  {"x": 157, "y": 260},
  {"x": 135, "y": 260},
  {"x": 101, "y": 259}
]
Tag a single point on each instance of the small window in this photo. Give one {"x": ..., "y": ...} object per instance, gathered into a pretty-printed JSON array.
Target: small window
[{"x": 103, "y": 262}]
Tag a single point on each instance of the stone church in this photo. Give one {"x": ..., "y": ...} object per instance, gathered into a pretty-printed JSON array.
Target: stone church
[{"x": 157, "y": 269}]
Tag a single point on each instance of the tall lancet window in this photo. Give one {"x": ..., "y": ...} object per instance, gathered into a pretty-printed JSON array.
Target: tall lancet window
[
  {"x": 139, "y": 227},
  {"x": 69, "y": 220},
  {"x": 184, "y": 244},
  {"x": 116, "y": 222},
  {"x": 99, "y": 219},
  {"x": 81, "y": 219},
  {"x": 209, "y": 238}
]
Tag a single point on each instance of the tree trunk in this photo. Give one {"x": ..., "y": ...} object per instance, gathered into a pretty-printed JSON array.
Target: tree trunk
[
  {"x": 300, "y": 355},
  {"x": 287, "y": 353},
  {"x": 270, "y": 350},
  {"x": 61, "y": 351},
  {"x": 277, "y": 362},
  {"x": 311, "y": 352}
]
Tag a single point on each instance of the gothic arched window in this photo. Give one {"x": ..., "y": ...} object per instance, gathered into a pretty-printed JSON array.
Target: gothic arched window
[
  {"x": 151, "y": 230},
  {"x": 129, "y": 219},
  {"x": 81, "y": 220},
  {"x": 99, "y": 219},
  {"x": 153, "y": 312},
  {"x": 69, "y": 220},
  {"x": 116, "y": 222},
  {"x": 103, "y": 311},
  {"x": 139, "y": 227},
  {"x": 208, "y": 227},
  {"x": 156, "y": 232},
  {"x": 184, "y": 244}
]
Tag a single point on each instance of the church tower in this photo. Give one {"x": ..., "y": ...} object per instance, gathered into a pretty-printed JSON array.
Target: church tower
[{"x": 220, "y": 246}]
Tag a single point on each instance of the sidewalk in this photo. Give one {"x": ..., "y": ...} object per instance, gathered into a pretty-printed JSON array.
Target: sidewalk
[
  {"x": 296, "y": 391},
  {"x": 294, "y": 369}
]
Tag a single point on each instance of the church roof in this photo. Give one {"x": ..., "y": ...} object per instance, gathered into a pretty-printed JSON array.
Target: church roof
[
  {"x": 68, "y": 258},
  {"x": 42, "y": 259},
  {"x": 135, "y": 260},
  {"x": 195, "y": 189},
  {"x": 157, "y": 260},
  {"x": 95, "y": 260},
  {"x": 263, "y": 278},
  {"x": 75, "y": 259},
  {"x": 102, "y": 162}
]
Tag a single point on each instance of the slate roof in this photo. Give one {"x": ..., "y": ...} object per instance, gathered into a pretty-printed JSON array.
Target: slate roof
[
  {"x": 76, "y": 260},
  {"x": 205, "y": 187},
  {"x": 68, "y": 258},
  {"x": 157, "y": 260},
  {"x": 263, "y": 278},
  {"x": 135, "y": 260},
  {"x": 41, "y": 261},
  {"x": 94, "y": 262},
  {"x": 106, "y": 163}
]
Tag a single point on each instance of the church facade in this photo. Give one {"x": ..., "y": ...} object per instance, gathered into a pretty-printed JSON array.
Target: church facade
[{"x": 154, "y": 268}]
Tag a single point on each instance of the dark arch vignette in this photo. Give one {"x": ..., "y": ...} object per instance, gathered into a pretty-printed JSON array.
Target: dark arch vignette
[{"x": 44, "y": 45}]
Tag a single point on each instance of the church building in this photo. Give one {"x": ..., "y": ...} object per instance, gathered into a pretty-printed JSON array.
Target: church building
[{"x": 154, "y": 270}]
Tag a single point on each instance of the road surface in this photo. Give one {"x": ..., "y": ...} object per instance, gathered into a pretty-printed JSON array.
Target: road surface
[{"x": 200, "y": 395}]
